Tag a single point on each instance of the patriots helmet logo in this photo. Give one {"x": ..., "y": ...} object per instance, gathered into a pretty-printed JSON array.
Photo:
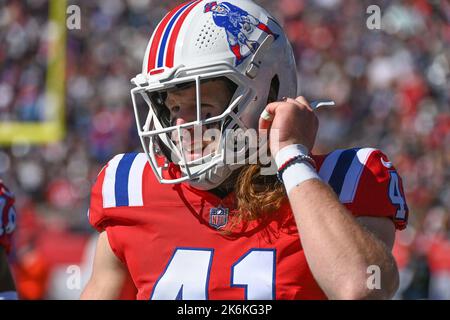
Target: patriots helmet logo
[{"x": 239, "y": 25}]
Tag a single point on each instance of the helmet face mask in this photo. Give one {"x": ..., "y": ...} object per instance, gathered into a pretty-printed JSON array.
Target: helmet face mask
[
  {"x": 250, "y": 79},
  {"x": 158, "y": 135}
]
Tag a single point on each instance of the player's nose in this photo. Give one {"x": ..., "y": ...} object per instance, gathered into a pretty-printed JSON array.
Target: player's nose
[
  {"x": 185, "y": 132},
  {"x": 184, "y": 115}
]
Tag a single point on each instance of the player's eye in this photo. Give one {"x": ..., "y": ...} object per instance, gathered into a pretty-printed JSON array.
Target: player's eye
[{"x": 175, "y": 109}]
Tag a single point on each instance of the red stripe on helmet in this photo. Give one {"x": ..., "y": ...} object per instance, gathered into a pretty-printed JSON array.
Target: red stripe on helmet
[
  {"x": 176, "y": 31},
  {"x": 157, "y": 38},
  {"x": 156, "y": 71}
]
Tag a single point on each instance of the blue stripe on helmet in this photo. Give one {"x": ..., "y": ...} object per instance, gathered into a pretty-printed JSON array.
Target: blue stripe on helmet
[{"x": 163, "y": 48}]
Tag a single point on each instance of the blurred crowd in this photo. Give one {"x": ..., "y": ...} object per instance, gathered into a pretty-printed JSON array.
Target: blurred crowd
[{"x": 390, "y": 85}]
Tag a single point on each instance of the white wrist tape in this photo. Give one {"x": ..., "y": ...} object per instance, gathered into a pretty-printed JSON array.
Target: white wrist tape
[
  {"x": 289, "y": 152},
  {"x": 298, "y": 172},
  {"x": 8, "y": 295}
]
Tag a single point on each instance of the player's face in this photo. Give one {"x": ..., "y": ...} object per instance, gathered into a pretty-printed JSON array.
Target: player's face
[{"x": 182, "y": 105}]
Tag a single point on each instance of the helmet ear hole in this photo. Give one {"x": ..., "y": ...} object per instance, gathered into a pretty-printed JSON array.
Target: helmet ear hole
[
  {"x": 162, "y": 112},
  {"x": 274, "y": 90}
]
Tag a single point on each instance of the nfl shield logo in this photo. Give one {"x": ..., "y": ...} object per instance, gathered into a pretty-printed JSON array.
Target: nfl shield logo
[{"x": 218, "y": 217}]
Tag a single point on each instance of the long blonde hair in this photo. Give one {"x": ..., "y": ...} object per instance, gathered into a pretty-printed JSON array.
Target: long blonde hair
[{"x": 257, "y": 195}]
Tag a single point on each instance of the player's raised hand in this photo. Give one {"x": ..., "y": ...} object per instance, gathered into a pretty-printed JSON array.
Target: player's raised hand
[{"x": 290, "y": 122}]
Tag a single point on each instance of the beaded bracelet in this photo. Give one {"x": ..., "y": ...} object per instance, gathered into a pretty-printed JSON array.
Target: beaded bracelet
[{"x": 292, "y": 161}]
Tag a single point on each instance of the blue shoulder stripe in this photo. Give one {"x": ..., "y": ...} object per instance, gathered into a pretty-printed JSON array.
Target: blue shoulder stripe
[
  {"x": 340, "y": 170},
  {"x": 121, "y": 183}
]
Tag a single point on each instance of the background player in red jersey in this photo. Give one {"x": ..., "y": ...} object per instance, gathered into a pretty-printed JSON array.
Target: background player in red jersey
[
  {"x": 225, "y": 231},
  {"x": 7, "y": 226}
]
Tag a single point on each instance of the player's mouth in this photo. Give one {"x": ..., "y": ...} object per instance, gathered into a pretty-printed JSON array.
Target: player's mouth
[
  {"x": 195, "y": 147},
  {"x": 194, "y": 150}
]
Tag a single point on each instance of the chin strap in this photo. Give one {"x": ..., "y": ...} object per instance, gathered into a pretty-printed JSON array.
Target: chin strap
[{"x": 211, "y": 179}]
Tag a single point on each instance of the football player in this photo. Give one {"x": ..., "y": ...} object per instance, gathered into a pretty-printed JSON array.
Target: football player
[
  {"x": 189, "y": 221},
  {"x": 7, "y": 226}
]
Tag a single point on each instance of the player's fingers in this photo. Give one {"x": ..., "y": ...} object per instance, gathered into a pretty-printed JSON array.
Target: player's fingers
[
  {"x": 290, "y": 100},
  {"x": 266, "y": 118},
  {"x": 301, "y": 102},
  {"x": 265, "y": 115},
  {"x": 304, "y": 102}
]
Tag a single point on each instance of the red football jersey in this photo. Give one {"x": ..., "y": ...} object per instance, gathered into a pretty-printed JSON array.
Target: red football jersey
[
  {"x": 7, "y": 217},
  {"x": 177, "y": 243}
]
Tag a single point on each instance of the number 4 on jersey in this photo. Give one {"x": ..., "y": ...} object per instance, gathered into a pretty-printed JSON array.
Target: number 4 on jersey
[{"x": 396, "y": 196}]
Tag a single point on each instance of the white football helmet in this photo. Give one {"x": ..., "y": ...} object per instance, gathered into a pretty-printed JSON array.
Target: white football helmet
[{"x": 197, "y": 41}]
